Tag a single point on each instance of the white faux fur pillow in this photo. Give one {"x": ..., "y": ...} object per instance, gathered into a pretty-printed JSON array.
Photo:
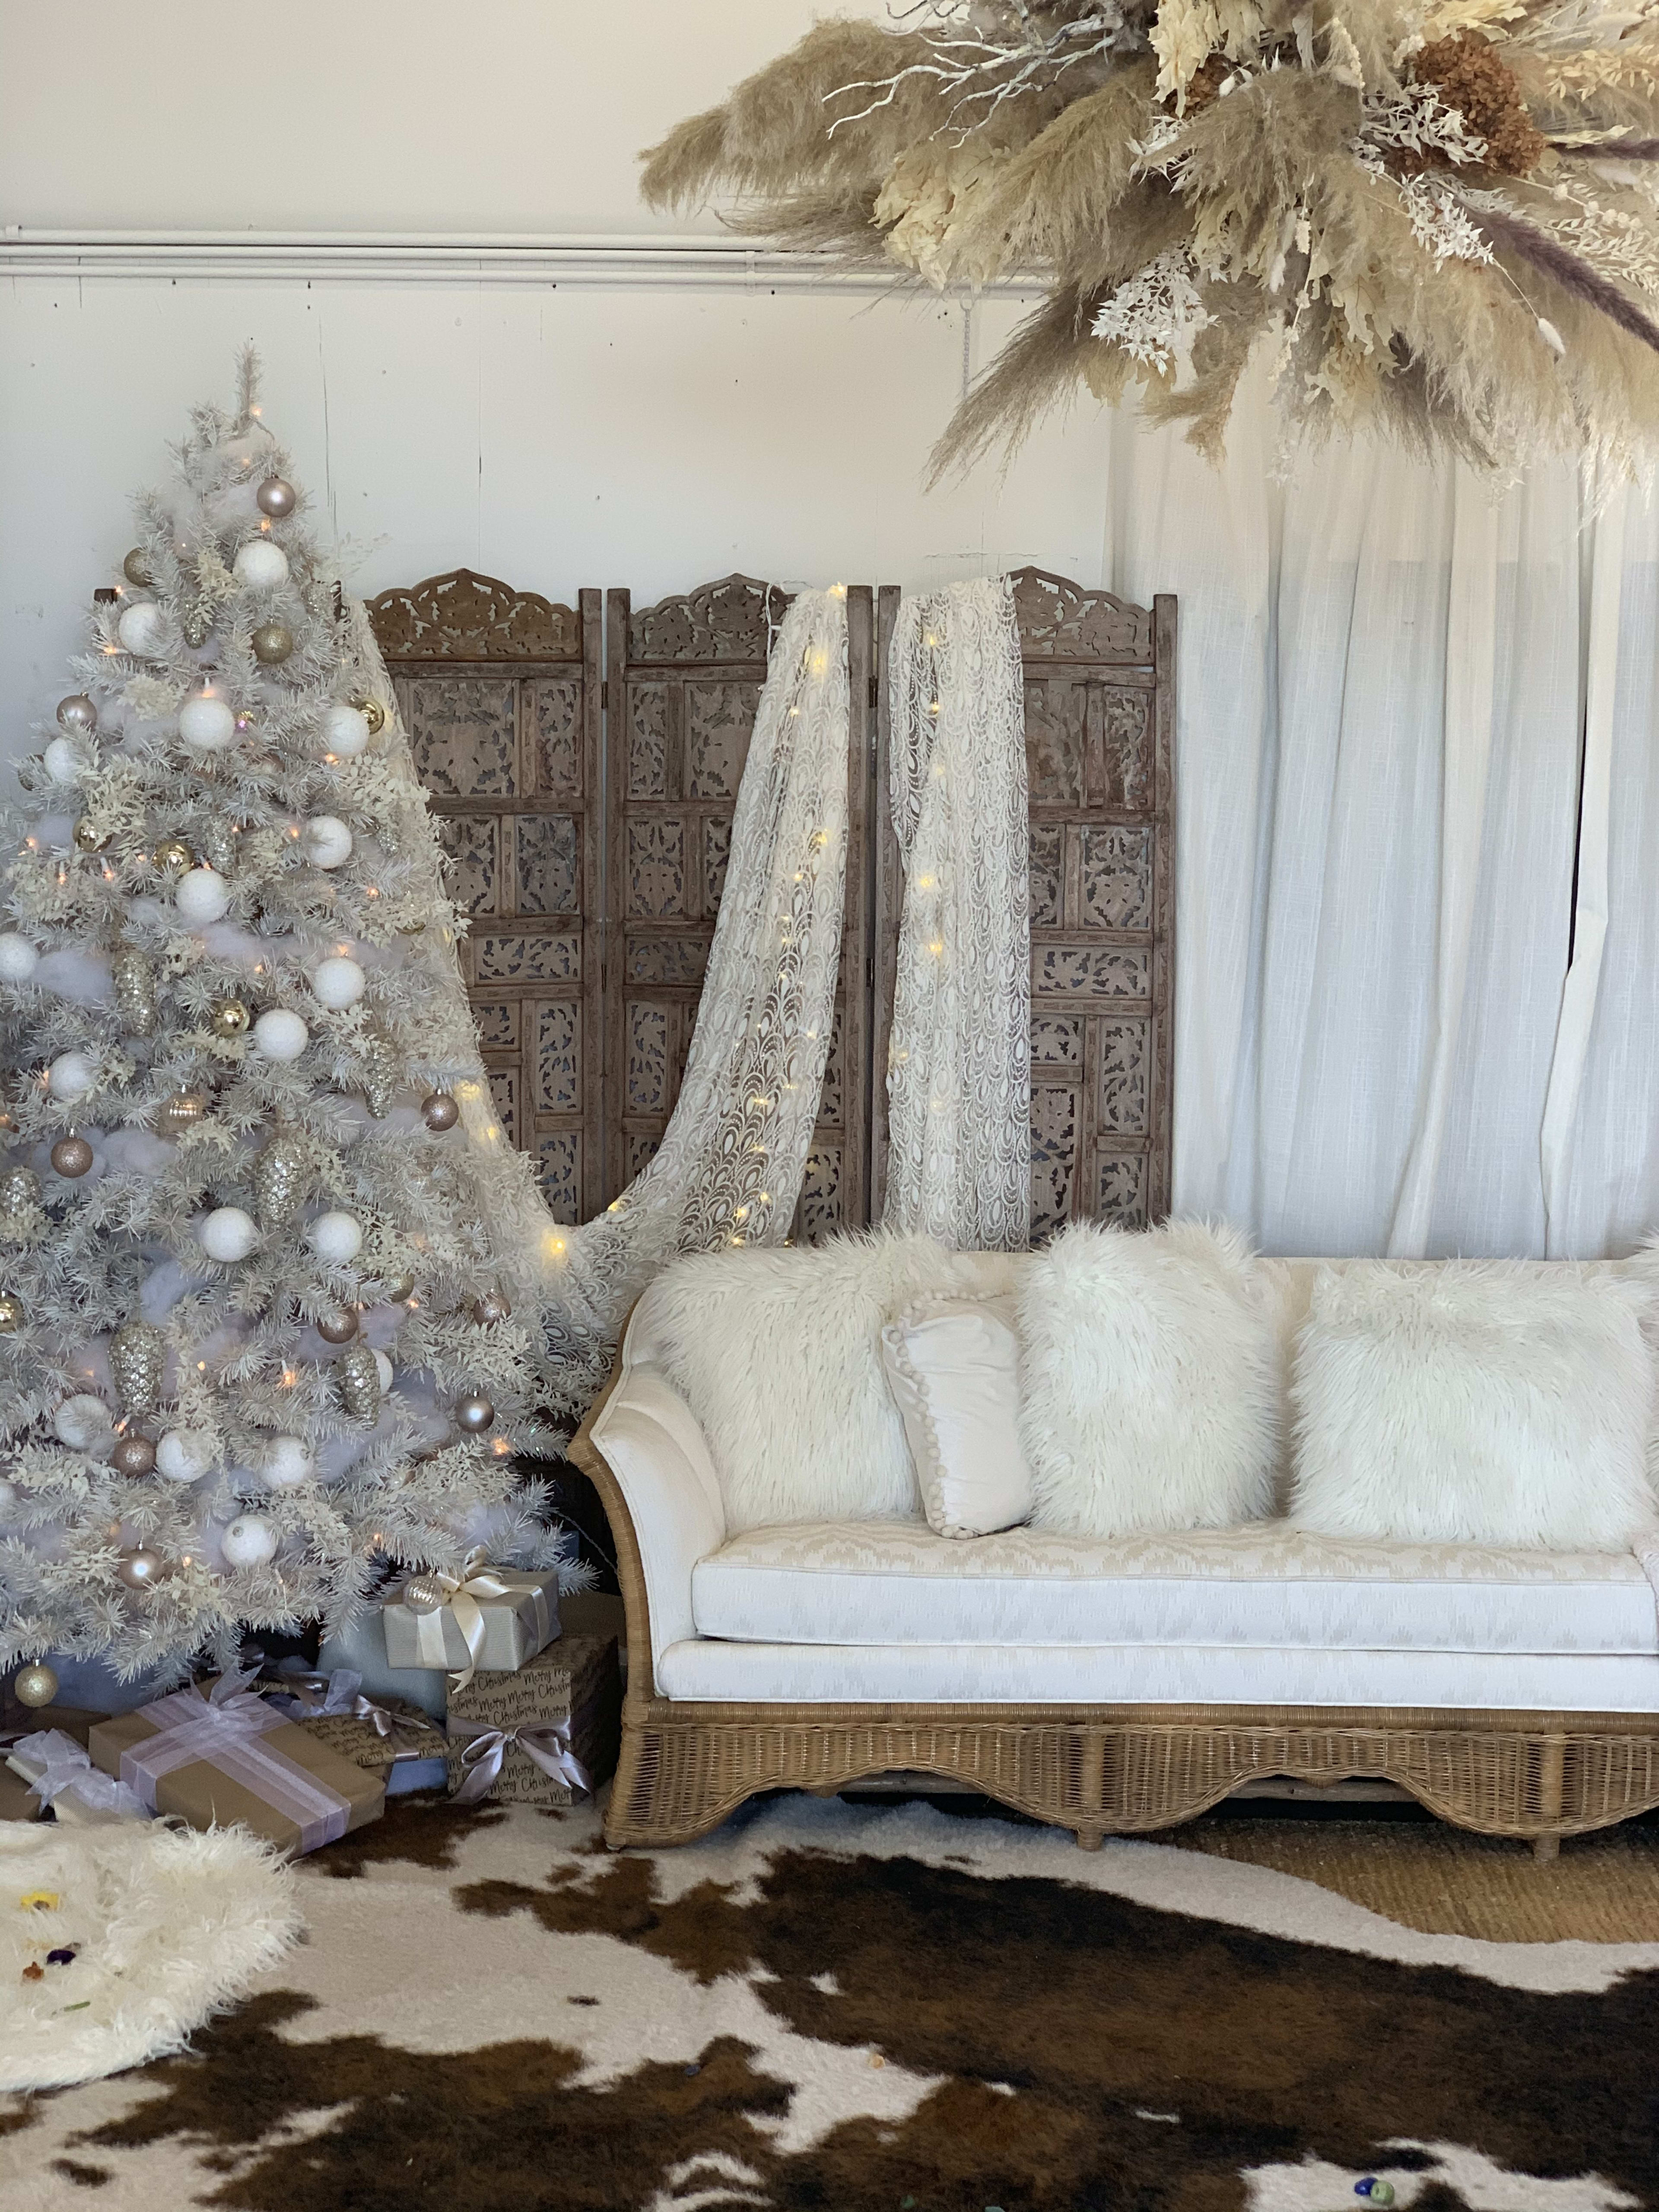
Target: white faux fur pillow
[
  {"x": 778, "y": 1353},
  {"x": 1149, "y": 1395},
  {"x": 1474, "y": 1402}
]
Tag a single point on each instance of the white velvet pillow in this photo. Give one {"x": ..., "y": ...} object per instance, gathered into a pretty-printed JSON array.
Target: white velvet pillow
[
  {"x": 1474, "y": 1402},
  {"x": 953, "y": 1369},
  {"x": 1150, "y": 1396},
  {"x": 779, "y": 1355}
]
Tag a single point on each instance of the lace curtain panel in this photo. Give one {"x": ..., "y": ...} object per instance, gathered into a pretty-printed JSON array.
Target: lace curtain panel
[
  {"x": 730, "y": 1166},
  {"x": 958, "y": 1078}
]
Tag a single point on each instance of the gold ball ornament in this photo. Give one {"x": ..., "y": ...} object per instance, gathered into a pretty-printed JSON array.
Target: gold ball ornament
[
  {"x": 272, "y": 643},
  {"x": 133, "y": 1455},
  {"x": 139, "y": 1569},
  {"x": 20, "y": 1192},
  {"x": 71, "y": 1157},
  {"x": 440, "y": 1111},
  {"x": 400, "y": 1292},
  {"x": 474, "y": 1415},
  {"x": 88, "y": 836},
  {"x": 492, "y": 1307},
  {"x": 230, "y": 1017},
  {"x": 173, "y": 852},
  {"x": 423, "y": 1593},
  {"x": 373, "y": 712},
  {"x": 12, "y": 1315},
  {"x": 338, "y": 1326},
  {"x": 135, "y": 569},
  {"x": 181, "y": 1113},
  {"x": 34, "y": 1685}
]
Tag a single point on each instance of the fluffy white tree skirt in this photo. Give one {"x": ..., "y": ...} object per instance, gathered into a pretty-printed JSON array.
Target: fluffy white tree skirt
[{"x": 168, "y": 1927}]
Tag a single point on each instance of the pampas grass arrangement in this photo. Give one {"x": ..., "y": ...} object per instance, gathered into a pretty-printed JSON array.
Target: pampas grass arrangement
[{"x": 1439, "y": 214}]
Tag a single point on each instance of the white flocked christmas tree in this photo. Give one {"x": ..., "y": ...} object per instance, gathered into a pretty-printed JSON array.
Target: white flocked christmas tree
[{"x": 269, "y": 1270}]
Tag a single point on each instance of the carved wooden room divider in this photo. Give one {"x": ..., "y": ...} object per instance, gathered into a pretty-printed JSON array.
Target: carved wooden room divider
[{"x": 501, "y": 693}]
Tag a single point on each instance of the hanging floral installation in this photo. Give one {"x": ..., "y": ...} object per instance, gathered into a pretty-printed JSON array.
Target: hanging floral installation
[{"x": 1439, "y": 218}]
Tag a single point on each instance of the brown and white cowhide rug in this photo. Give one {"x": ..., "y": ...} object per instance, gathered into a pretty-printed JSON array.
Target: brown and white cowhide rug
[{"x": 858, "y": 2008}]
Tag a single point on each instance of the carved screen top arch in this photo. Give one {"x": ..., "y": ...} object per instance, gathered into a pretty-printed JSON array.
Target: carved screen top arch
[
  {"x": 684, "y": 682},
  {"x": 1099, "y": 683},
  {"x": 500, "y": 691}
]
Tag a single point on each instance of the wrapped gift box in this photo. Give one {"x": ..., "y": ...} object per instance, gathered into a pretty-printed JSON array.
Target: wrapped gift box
[
  {"x": 566, "y": 1703},
  {"x": 385, "y": 1736},
  {"x": 231, "y": 1756},
  {"x": 57, "y": 1771},
  {"x": 18, "y": 1802},
  {"x": 492, "y": 1618}
]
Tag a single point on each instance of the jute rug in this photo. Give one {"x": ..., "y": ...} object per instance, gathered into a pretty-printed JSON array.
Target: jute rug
[{"x": 839, "y": 2008}]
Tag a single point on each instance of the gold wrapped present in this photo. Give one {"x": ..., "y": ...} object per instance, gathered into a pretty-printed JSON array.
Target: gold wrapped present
[
  {"x": 485, "y": 1619},
  {"x": 232, "y": 1756},
  {"x": 544, "y": 1735}
]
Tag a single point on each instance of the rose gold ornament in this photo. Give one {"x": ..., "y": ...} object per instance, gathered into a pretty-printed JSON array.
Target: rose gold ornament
[
  {"x": 138, "y": 1569},
  {"x": 133, "y": 1455},
  {"x": 474, "y": 1415},
  {"x": 276, "y": 497},
  {"x": 71, "y": 1157},
  {"x": 339, "y": 1326},
  {"x": 77, "y": 714},
  {"x": 492, "y": 1307},
  {"x": 440, "y": 1111}
]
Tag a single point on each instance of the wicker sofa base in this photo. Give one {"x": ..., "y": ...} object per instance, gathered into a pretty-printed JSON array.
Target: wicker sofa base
[{"x": 1125, "y": 1772}]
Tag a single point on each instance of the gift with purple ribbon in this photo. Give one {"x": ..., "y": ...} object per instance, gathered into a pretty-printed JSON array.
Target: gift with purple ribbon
[{"x": 230, "y": 1756}]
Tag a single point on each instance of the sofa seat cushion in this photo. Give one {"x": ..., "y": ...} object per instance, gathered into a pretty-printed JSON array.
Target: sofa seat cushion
[{"x": 1266, "y": 1586}]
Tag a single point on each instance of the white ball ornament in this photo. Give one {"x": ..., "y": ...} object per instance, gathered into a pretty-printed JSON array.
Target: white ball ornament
[
  {"x": 260, "y": 565},
  {"x": 338, "y": 982},
  {"x": 335, "y": 1238},
  {"x": 346, "y": 731},
  {"x": 327, "y": 842},
  {"x": 140, "y": 627},
  {"x": 82, "y": 1422},
  {"x": 63, "y": 759},
  {"x": 18, "y": 958},
  {"x": 184, "y": 1456},
  {"x": 202, "y": 896},
  {"x": 280, "y": 1035},
  {"x": 383, "y": 1368},
  {"x": 207, "y": 724},
  {"x": 227, "y": 1233},
  {"x": 71, "y": 1076},
  {"x": 285, "y": 1463},
  {"x": 248, "y": 1542}
]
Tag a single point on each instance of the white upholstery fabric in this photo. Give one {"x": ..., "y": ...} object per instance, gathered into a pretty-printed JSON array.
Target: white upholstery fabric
[
  {"x": 953, "y": 1368},
  {"x": 1115, "y": 1674},
  {"x": 653, "y": 1445},
  {"x": 1261, "y": 1587}
]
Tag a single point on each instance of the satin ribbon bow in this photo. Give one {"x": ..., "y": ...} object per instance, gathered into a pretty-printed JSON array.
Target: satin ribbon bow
[
  {"x": 54, "y": 1765},
  {"x": 476, "y": 1579},
  {"x": 548, "y": 1743},
  {"x": 306, "y": 1695}
]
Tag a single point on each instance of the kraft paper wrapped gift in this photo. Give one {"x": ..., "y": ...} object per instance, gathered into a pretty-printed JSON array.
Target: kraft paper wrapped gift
[
  {"x": 387, "y": 1736},
  {"x": 492, "y": 1619},
  {"x": 544, "y": 1735},
  {"x": 57, "y": 1771},
  {"x": 232, "y": 1756},
  {"x": 19, "y": 1801}
]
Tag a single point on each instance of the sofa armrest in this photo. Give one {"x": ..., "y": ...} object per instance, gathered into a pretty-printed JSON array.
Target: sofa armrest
[{"x": 644, "y": 1452}]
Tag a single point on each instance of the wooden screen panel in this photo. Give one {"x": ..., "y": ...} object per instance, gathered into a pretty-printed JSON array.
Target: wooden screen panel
[
  {"x": 500, "y": 692},
  {"x": 1099, "y": 681},
  {"x": 684, "y": 683}
]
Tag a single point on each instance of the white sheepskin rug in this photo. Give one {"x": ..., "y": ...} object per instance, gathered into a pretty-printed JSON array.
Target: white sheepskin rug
[
  {"x": 1475, "y": 1402},
  {"x": 167, "y": 1928},
  {"x": 1150, "y": 1381},
  {"x": 779, "y": 1356}
]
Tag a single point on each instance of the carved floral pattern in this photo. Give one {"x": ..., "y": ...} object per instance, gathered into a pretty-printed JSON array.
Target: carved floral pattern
[{"x": 465, "y": 616}]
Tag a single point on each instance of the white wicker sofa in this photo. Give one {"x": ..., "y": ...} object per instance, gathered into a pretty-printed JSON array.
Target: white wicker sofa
[{"x": 1109, "y": 1686}]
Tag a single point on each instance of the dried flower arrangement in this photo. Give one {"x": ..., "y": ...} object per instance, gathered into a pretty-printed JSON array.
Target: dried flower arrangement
[{"x": 1441, "y": 213}]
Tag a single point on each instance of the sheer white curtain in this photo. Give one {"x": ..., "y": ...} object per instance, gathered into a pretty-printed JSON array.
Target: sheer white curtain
[{"x": 1386, "y": 673}]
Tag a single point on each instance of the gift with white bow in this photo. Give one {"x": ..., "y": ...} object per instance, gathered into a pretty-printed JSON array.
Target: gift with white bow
[
  {"x": 60, "y": 1774},
  {"x": 543, "y": 1735},
  {"x": 486, "y": 1618}
]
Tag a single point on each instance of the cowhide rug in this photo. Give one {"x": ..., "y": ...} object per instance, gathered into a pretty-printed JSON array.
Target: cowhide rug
[{"x": 857, "y": 2009}]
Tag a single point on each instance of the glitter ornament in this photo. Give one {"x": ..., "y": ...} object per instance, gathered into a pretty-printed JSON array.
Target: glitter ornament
[
  {"x": 327, "y": 842},
  {"x": 135, "y": 569},
  {"x": 491, "y": 1308},
  {"x": 81, "y": 1422},
  {"x": 338, "y": 1325},
  {"x": 184, "y": 1456},
  {"x": 207, "y": 724},
  {"x": 272, "y": 643},
  {"x": 259, "y": 566},
  {"x": 88, "y": 836},
  {"x": 474, "y": 1415},
  {"x": 136, "y": 1354},
  {"x": 202, "y": 896},
  {"x": 181, "y": 1113},
  {"x": 248, "y": 1542},
  {"x": 230, "y": 1017},
  {"x": 440, "y": 1111},
  {"x": 136, "y": 1004},
  {"x": 346, "y": 731},
  {"x": 71, "y": 1157},
  {"x": 382, "y": 1073},
  {"x": 11, "y": 1314},
  {"x": 280, "y": 1035},
  {"x": 194, "y": 627},
  {"x": 20, "y": 1193},
  {"x": 138, "y": 1570},
  {"x": 276, "y": 498},
  {"x": 71, "y": 1076},
  {"x": 401, "y": 1291},
  {"x": 77, "y": 714},
  {"x": 18, "y": 958},
  {"x": 133, "y": 1455},
  {"x": 338, "y": 982},
  {"x": 336, "y": 1237},
  {"x": 34, "y": 1685},
  {"x": 227, "y": 1234},
  {"x": 423, "y": 1593},
  {"x": 286, "y": 1462},
  {"x": 140, "y": 628},
  {"x": 357, "y": 1379},
  {"x": 282, "y": 1178},
  {"x": 173, "y": 852}
]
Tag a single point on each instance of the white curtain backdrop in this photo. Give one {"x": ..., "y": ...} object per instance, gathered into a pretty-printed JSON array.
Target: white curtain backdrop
[{"x": 1387, "y": 671}]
